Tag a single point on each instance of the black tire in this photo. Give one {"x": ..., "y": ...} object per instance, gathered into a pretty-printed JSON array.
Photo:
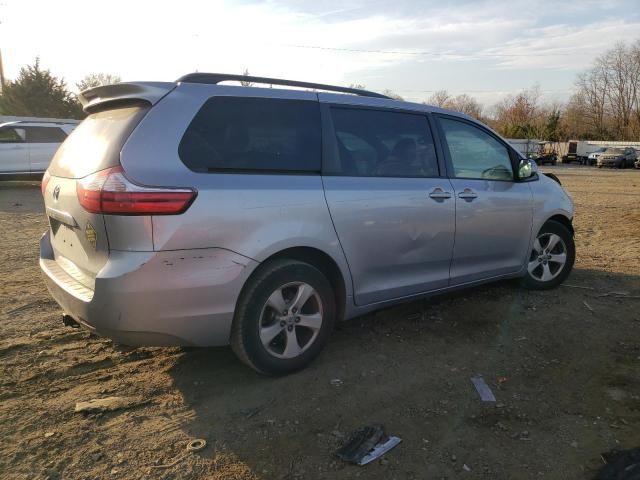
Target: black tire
[
  {"x": 552, "y": 227},
  {"x": 248, "y": 319}
]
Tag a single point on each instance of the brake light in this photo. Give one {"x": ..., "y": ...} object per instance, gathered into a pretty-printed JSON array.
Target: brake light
[
  {"x": 111, "y": 192},
  {"x": 45, "y": 180}
]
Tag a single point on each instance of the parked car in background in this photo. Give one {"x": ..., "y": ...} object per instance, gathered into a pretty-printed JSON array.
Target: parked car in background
[
  {"x": 618, "y": 157},
  {"x": 579, "y": 151},
  {"x": 194, "y": 213},
  {"x": 26, "y": 147},
  {"x": 592, "y": 159}
]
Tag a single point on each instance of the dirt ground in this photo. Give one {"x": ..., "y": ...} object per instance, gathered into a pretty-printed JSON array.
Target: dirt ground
[{"x": 563, "y": 364}]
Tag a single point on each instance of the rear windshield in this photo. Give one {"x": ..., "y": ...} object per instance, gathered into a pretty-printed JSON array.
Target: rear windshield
[{"x": 96, "y": 143}]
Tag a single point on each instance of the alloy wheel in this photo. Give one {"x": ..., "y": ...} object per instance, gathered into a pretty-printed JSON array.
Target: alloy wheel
[
  {"x": 291, "y": 320},
  {"x": 548, "y": 257}
]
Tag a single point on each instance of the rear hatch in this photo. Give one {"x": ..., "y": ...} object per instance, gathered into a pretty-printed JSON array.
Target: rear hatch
[{"x": 78, "y": 237}]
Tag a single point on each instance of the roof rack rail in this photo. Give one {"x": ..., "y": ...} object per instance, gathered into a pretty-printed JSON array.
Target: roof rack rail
[{"x": 215, "y": 78}]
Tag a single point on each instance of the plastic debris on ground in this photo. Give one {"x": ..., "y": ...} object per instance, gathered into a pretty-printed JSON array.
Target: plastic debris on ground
[
  {"x": 486, "y": 395},
  {"x": 366, "y": 445},
  {"x": 620, "y": 465}
]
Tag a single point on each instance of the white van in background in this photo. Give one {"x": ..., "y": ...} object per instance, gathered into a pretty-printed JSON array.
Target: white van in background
[{"x": 27, "y": 147}]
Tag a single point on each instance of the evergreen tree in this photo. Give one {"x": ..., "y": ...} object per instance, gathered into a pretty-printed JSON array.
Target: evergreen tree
[{"x": 38, "y": 93}]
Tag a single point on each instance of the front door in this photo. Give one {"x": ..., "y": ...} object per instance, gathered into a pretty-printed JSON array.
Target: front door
[
  {"x": 493, "y": 212},
  {"x": 392, "y": 211}
]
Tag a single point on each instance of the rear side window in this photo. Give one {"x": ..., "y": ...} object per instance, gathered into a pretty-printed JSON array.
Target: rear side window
[
  {"x": 376, "y": 143},
  {"x": 12, "y": 135},
  {"x": 45, "y": 135},
  {"x": 96, "y": 143},
  {"x": 253, "y": 134}
]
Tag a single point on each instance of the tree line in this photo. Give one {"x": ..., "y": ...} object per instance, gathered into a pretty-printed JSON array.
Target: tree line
[
  {"x": 605, "y": 103},
  {"x": 36, "y": 92}
]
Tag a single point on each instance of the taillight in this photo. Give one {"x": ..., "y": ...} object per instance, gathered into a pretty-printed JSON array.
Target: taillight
[
  {"x": 45, "y": 180},
  {"x": 111, "y": 192}
]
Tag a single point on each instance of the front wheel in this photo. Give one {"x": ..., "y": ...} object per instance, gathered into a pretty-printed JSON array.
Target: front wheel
[
  {"x": 551, "y": 258},
  {"x": 283, "y": 318}
]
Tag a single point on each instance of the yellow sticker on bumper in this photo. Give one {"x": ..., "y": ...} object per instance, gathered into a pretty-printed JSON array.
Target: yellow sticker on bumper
[{"x": 92, "y": 236}]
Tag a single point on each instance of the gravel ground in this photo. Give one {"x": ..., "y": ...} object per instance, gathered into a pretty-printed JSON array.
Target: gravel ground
[{"x": 563, "y": 364}]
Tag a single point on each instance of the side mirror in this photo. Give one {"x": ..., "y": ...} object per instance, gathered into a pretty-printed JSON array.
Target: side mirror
[{"x": 526, "y": 169}]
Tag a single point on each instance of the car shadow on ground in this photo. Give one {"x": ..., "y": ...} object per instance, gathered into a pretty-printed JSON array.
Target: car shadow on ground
[{"x": 411, "y": 364}]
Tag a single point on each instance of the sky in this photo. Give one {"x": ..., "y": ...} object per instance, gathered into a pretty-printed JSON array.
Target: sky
[{"x": 487, "y": 49}]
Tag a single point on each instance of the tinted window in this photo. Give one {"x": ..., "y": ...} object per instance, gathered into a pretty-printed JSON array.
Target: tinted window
[
  {"x": 231, "y": 133},
  {"x": 474, "y": 153},
  {"x": 95, "y": 144},
  {"x": 375, "y": 143},
  {"x": 45, "y": 135},
  {"x": 11, "y": 135}
]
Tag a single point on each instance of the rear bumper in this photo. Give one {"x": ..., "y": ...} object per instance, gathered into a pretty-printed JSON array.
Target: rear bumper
[{"x": 184, "y": 297}]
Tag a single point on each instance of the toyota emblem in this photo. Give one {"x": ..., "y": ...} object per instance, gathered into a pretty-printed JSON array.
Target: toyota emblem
[{"x": 56, "y": 192}]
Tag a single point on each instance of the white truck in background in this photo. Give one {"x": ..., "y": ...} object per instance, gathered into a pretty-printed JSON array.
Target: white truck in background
[{"x": 27, "y": 146}]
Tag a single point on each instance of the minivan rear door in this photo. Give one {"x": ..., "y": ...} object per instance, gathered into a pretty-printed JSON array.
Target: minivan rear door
[
  {"x": 393, "y": 212},
  {"x": 78, "y": 237}
]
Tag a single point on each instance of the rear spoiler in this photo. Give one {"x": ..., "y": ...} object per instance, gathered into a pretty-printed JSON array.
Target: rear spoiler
[{"x": 99, "y": 98}]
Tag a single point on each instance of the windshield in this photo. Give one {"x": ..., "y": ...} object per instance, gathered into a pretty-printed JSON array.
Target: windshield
[{"x": 614, "y": 151}]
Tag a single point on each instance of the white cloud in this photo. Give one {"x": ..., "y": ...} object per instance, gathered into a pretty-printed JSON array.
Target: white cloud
[
  {"x": 486, "y": 47},
  {"x": 564, "y": 46}
]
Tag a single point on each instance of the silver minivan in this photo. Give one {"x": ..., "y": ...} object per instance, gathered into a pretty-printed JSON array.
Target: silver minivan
[{"x": 195, "y": 213}]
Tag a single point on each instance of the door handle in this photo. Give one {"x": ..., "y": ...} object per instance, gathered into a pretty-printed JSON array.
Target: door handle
[
  {"x": 468, "y": 194},
  {"x": 439, "y": 194}
]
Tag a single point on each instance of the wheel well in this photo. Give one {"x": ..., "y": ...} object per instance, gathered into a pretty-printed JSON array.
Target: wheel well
[
  {"x": 564, "y": 221},
  {"x": 325, "y": 264}
]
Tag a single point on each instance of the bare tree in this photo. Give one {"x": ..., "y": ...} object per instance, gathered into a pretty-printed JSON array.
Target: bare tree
[
  {"x": 462, "y": 103},
  {"x": 608, "y": 94},
  {"x": 392, "y": 94},
  {"x": 97, "y": 80},
  {"x": 465, "y": 104},
  {"x": 520, "y": 115},
  {"x": 634, "y": 59},
  {"x": 439, "y": 98},
  {"x": 591, "y": 98}
]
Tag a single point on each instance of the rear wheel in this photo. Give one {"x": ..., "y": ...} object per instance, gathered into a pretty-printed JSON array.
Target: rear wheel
[
  {"x": 551, "y": 258},
  {"x": 283, "y": 318}
]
